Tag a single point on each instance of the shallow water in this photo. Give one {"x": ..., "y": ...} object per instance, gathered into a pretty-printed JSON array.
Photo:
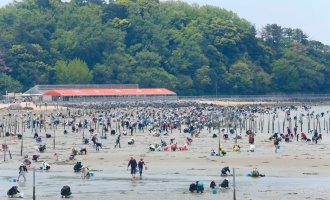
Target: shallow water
[{"x": 49, "y": 184}]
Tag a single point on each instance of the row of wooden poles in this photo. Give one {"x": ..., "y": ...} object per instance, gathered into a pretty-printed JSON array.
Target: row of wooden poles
[{"x": 273, "y": 124}]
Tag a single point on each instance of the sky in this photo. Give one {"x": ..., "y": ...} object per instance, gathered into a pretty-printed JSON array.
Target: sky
[{"x": 311, "y": 16}]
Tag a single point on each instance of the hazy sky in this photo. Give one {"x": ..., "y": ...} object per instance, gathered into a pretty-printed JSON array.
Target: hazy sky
[{"x": 312, "y": 16}]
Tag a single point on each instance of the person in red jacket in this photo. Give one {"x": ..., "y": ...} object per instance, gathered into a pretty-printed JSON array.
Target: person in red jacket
[
  {"x": 251, "y": 138},
  {"x": 140, "y": 164},
  {"x": 303, "y": 136}
]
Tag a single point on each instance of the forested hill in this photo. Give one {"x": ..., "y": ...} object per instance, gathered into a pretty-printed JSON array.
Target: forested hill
[{"x": 190, "y": 49}]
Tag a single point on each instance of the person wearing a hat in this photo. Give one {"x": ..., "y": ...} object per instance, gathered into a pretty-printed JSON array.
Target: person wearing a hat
[{"x": 22, "y": 170}]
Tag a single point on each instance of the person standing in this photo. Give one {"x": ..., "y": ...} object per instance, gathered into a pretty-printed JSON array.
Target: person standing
[
  {"x": 22, "y": 170},
  {"x": 295, "y": 129},
  {"x": 297, "y": 136},
  {"x": 118, "y": 141},
  {"x": 140, "y": 164},
  {"x": 132, "y": 162},
  {"x": 288, "y": 130},
  {"x": 251, "y": 138},
  {"x": 315, "y": 137},
  {"x": 276, "y": 144}
]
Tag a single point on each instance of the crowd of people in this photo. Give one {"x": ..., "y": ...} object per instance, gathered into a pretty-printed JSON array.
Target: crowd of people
[{"x": 190, "y": 120}]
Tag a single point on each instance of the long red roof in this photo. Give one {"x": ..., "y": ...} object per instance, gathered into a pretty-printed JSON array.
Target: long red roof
[{"x": 108, "y": 92}]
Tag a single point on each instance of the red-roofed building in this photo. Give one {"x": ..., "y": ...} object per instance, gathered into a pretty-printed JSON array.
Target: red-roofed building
[{"x": 102, "y": 94}]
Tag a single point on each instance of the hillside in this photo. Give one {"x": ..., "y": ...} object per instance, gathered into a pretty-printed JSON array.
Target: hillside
[{"x": 189, "y": 49}]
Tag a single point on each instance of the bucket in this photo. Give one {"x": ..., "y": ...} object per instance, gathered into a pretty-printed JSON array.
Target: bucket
[
  {"x": 214, "y": 191},
  {"x": 12, "y": 180},
  {"x": 91, "y": 174}
]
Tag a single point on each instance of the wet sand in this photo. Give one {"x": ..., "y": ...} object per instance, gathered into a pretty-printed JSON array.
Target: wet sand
[{"x": 299, "y": 171}]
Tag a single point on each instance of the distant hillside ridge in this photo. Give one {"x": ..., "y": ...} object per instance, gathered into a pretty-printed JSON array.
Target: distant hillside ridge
[{"x": 190, "y": 49}]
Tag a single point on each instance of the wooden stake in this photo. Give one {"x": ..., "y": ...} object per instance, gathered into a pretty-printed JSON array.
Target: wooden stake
[
  {"x": 234, "y": 183},
  {"x": 268, "y": 122},
  {"x": 22, "y": 145},
  {"x": 34, "y": 183},
  {"x": 54, "y": 138}
]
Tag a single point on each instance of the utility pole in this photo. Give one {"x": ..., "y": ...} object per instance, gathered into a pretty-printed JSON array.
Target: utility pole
[
  {"x": 219, "y": 136},
  {"x": 34, "y": 183},
  {"x": 22, "y": 144},
  {"x": 234, "y": 192},
  {"x": 54, "y": 137}
]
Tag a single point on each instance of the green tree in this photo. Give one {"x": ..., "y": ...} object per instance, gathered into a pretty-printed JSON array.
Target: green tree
[
  {"x": 272, "y": 34},
  {"x": 297, "y": 73},
  {"x": 9, "y": 84},
  {"x": 203, "y": 79},
  {"x": 154, "y": 77},
  {"x": 191, "y": 49},
  {"x": 72, "y": 72},
  {"x": 102, "y": 74},
  {"x": 28, "y": 64}
]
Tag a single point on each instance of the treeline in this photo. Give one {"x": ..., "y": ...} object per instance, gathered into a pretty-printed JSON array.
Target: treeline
[{"x": 190, "y": 49}]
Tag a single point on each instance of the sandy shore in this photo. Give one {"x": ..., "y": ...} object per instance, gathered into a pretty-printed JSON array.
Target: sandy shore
[{"x": 299, "y": 171}]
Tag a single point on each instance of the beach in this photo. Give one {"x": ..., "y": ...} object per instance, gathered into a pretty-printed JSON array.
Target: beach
[{"x": 298, "y": 171}]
